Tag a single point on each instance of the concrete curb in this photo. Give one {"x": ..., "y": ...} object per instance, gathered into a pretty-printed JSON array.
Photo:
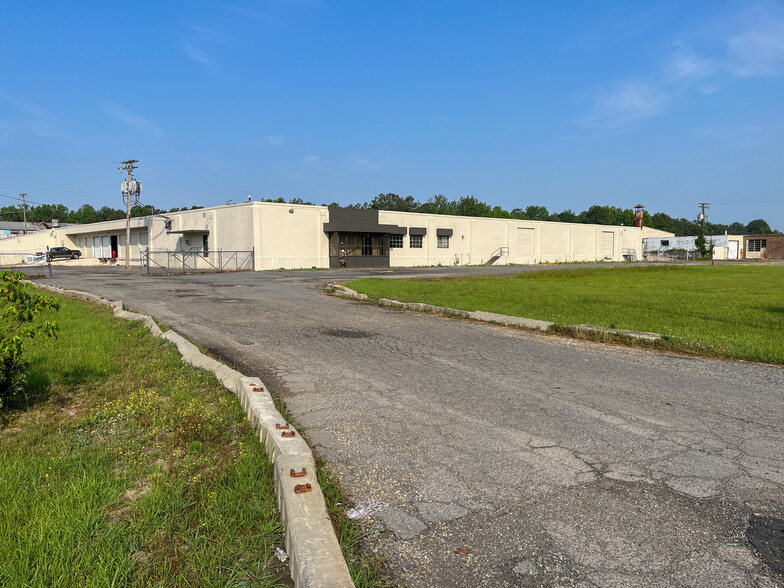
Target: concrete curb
[
  {"x": 344, "y": 292},
  {"x": 505, "y": 319},
  {"x": 315, "y": 558},
  {"x": 644, "y": 335},
  {"x": 491, "y": 317}
]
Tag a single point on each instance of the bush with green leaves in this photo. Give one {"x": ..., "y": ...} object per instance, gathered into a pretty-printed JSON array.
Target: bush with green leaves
[{"x": 22, "y": 320}]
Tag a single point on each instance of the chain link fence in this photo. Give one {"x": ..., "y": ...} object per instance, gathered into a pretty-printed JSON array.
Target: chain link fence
[{"x": 166, "y": 262}]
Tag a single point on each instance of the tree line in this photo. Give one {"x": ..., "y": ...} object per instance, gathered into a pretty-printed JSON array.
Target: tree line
[
  {"x": 437, "y": 204},
  {"x": 85, "y": 214}
]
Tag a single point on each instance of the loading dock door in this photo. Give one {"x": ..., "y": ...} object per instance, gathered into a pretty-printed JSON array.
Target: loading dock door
[
  {"x": 608, "y": 244},
  {"x": 525, "y": 242},
  {"x": 101, "y": 247}
]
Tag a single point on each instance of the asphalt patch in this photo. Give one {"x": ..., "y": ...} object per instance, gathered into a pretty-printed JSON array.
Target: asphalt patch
[
  {"x": 766, "y": 534},
  {"x": 347, "y": 333}
]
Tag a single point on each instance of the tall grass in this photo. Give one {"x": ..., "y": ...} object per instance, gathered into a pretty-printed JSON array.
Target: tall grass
[
  {"x": 734, "y": 311},
  {"x": 129, "y": 468}
]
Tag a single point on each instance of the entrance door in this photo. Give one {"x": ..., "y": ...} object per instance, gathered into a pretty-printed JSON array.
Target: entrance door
[
  {"x": 367, "y": 244},
  {"x": 608, "y": 244},
  {"x": 732, "y": 252},
  {"x": 115, "y": 251}
]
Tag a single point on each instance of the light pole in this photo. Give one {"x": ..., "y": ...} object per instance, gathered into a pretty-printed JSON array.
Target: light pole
[{"x": 131, "y": 189}]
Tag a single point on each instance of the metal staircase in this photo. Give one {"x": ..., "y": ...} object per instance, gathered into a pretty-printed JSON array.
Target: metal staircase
[{"x": 497, "y": 254}]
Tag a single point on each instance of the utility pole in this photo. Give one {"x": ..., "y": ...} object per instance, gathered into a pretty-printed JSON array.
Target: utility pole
[
  {"x": 24, "y": 211},
  {"x": 704, "y": 206},
  {"x": 130, "y": 188}
]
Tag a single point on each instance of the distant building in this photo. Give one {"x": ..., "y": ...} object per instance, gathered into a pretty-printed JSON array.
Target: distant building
[
  {"x": 763, "y": 246},
  {"x": 11, "y": 228},
  {"x": 724, "y": 247}
]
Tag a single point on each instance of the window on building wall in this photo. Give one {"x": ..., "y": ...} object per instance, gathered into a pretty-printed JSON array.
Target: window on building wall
[
  {"x": 415, "y": 241},
  {"x": 757, "y": 244},
  {"x": 442, "y": 242},
  {"x": 665, "y": 242},
  {"x": 396, "y": 241}
]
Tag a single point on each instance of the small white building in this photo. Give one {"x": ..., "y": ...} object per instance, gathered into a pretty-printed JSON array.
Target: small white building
[
  {"x": 275, "y": 235},
  {"x": 724, "y": 246}
]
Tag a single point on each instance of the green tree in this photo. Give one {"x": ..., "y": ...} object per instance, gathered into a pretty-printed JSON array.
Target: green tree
[
  {"x": 438, "y": 204},
  {"x": 758, "y": 227},
  {"x": 22, "y": 307},
  {"x": 11, "y": 213},
  {"x": 394, "y": 202},
  {"x": 107, "y": 213},
  {"x": 45, "y": 213},
  {"x": 599, "y": 215},
  {"x": 85, "y": 214},
  {"x": 537, "y": 213},
  {"x": 470, "y": 206},
  {"x": 567, "y": 216},
  {"x": 701, "y": 244}
]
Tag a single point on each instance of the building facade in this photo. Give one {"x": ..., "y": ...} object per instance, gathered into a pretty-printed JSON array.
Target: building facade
[
  {"x": 763, "y": 246},
  {"x": 724, "y": 246},
  {"x": 303, "y": 236}
]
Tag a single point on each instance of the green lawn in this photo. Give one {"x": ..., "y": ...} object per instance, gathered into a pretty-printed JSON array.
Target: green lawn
[
  {"x": 129, "y": 468},
  {"x": 734, "y": 311}
]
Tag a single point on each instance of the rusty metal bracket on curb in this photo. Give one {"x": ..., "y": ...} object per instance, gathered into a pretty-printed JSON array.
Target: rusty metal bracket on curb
[{"x": 316, "y": 560}]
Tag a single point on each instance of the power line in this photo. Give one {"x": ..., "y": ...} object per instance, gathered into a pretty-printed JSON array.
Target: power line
[
  {"x": 750, "y": 202},
  {"x": 19, "y": 199}
]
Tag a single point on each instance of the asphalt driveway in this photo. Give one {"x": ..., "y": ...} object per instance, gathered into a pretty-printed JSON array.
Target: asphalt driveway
[{"x": 506, "y": 458}]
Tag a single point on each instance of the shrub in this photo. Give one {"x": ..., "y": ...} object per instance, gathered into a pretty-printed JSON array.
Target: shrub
[{"x": 21, "y": 307}]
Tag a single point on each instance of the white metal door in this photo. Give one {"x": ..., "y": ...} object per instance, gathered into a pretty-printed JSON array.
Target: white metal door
[
  {"x": 608, "y": 244},
  {"x": 525, "y": 242},
  {"x": 732, "y": 252}
]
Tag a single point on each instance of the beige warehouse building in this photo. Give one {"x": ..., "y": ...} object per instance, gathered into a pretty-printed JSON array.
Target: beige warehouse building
[{"x": 291, "y": 236}]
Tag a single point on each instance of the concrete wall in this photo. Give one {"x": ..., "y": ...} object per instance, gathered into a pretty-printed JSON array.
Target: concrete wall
[
  {"x": 475, "y": 240},
  {"x": 290, "y": 235}
]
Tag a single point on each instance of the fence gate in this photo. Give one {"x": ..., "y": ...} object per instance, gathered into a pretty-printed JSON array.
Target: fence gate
[{"x": 167, "y": 262}]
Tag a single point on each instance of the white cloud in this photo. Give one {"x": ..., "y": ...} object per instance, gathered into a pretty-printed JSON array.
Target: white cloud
[
  {"x": 210, "y": 35},
  {"x": 30, "y": 118},
  {"x": 135, "y": 121},
  {"x": 263, "y": 141},
  {"x": 364, "y": 163},
  {"x": 250, "y": 13},
  {"x": 312, "y": 158},
  {"x": 758, "y": 51},
  {"x": 754, "y": 42},
  {"x": 624, "y": 103},
  {"x": 687, "y": 67},
  {"x": 198, "y": 55}
]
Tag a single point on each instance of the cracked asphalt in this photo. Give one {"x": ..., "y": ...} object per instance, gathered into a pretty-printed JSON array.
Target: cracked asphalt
[{"x": 546, "y": 461}]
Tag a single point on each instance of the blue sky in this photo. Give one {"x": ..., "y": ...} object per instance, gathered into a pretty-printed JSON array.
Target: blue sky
[{"x": 561, "y": 104}]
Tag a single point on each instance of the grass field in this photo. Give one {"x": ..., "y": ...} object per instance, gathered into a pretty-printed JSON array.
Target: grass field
[
  {"x": 126, "y": 467},
  {"x": 734, "y": 311}
]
